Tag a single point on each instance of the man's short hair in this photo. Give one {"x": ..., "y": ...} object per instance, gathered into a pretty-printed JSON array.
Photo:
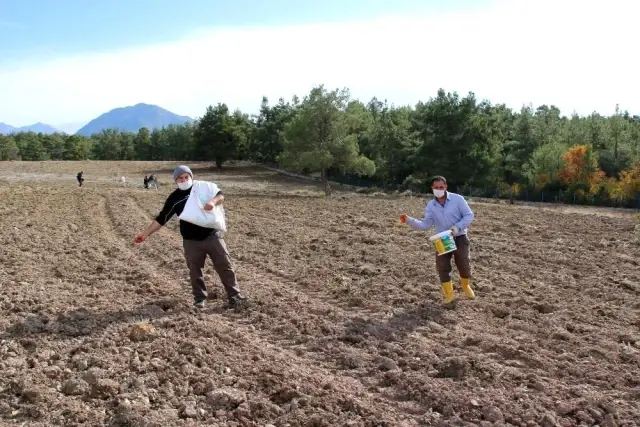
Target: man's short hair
[{"x": 439, "y": 178}]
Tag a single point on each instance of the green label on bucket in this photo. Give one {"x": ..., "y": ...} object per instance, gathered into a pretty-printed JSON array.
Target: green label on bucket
[{"x": 449, "y": 243}]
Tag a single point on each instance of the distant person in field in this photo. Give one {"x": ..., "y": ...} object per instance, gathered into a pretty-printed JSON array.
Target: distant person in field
[
  {"x": 448, "y": 211},
  {"x": 198, "y": 242},
  {"x": 80, "y": 178},
  {"x": 151, "y": 179}
]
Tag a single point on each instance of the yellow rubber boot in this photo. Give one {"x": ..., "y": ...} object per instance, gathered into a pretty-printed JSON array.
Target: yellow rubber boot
[
  {"x": 449, "y": 295},
  {"x": 467, "y": 288}
]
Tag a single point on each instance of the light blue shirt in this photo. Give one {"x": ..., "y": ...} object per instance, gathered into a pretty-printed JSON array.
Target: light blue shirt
[{"x": 455, "y": 213}]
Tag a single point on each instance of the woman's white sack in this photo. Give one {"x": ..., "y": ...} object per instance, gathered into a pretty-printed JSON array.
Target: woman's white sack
[{"x": 193, "y": 212}]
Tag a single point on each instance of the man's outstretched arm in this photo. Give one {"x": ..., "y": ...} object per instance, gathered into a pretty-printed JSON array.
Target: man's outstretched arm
[{"x": 421, "y": 224}]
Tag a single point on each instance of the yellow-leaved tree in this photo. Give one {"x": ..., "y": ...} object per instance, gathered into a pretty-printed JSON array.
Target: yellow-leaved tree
[{"x": 580, "y": 172}]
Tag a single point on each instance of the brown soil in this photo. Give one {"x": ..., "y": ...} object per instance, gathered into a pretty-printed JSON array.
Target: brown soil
[{"x": 345, "y": 327}]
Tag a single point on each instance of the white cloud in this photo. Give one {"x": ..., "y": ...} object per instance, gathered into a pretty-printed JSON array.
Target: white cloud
[{"x": 578, "y": 55}]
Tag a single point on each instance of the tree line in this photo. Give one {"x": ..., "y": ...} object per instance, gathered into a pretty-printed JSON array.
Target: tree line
[{"x": 475, "y": 144}]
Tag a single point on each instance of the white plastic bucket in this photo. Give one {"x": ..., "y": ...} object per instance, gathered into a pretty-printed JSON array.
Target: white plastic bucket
[{"x": 443, "y": 242}]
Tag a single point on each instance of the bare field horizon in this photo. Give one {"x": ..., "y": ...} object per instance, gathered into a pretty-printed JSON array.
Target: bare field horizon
[{"x": 345, "y": 325}]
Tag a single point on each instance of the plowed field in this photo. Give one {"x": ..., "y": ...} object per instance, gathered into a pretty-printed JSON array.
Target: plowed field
[{"x": 345, "y": 325}]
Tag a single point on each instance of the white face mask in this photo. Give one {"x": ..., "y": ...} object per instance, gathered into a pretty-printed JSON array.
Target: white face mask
[
  {"x": 438, "y": 193},
  {"x": 186, "y": 184}
]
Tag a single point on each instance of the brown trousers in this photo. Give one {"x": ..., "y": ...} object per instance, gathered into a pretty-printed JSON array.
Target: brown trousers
[
  {"x": 196, "y": 251},
  {"x": 461, "y": 257}
]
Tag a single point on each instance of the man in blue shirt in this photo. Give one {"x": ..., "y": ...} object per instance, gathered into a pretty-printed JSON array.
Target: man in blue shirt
[{"x": 448, "y": 211}]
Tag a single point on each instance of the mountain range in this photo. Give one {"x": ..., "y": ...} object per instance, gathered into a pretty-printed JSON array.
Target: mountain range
[
  {"x": 130, "y": 119},
  {"x": 37, "y": 128},
  {"x": 133, "y": 118}
]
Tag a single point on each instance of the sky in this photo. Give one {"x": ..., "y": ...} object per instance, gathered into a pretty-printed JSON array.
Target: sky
[{"x": 65, "y": 62}]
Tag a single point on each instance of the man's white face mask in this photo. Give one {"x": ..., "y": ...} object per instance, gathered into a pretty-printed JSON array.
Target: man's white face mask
[
  {"x": 185, "y": 185},
  {"x": 438, "y": 193}
]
